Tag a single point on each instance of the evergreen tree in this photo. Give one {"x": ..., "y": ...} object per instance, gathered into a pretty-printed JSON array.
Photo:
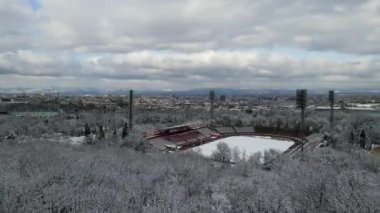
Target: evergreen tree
[
  {"x": 101, "y": 134},
  {"x": 87, "y": 130},
  {"x": 362, "y": 139},
  {"x": 352, "y": 137},
  {"x": 125, "y": 130}
]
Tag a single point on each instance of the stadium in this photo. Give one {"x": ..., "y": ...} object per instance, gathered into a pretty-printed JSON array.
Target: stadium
[{"x": 183, "y": 137}]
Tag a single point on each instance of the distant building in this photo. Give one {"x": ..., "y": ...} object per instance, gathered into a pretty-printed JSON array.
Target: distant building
[
  {"x": 6, "y": 100},
  {"x": 222, "y": 98}
]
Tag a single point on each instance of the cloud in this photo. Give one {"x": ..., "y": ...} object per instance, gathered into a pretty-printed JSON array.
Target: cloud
[
  {"x": 217, "y": 68},
  {"x": 192, "y": 43},
  {"x": 193, "y": 25}
]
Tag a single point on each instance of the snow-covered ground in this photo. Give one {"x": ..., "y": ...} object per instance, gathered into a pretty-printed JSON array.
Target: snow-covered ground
[
  {"x": 250, "y": 145},
  {"x": 361, "y": 108},
  {"x": 365, "y": 105},
  {"x": 325, "y": 107},
  {"x": 76, "y": 140}
]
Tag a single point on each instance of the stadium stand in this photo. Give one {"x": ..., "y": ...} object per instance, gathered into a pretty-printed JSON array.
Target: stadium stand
[
  {"x": 225, "y": 130},
  {"x": 181, "y": 137}
]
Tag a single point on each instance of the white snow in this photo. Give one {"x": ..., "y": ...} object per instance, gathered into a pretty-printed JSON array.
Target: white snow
[
  {"x": 250, "y": 145},
  {"x": 326, "y": 107},
  {"x": 356, "y": 107},
  {"x": 360, "y": 108},
  {"x": 76, "y": 140},
  {"x": 365, "y": 105},
  {"x": 59, "y": 138},
  {"x": 71, "y": 140}
]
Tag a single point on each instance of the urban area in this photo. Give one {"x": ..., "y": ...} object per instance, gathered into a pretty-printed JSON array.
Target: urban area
[{"x": 206, "y": 147}]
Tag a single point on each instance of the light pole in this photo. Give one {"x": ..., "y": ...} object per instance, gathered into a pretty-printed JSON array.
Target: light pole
[
  {"x": 212, "y": 99},
  {"x": 301, "y": 104},
  {"x": 130, "y": 109},
  {"x": 332, "y": 99}
]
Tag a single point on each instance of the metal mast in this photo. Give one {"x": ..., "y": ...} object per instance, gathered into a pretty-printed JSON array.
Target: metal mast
[
  {"x": 212, "y": 99},
  {"x": 130, "y": 109},
  {"x": 332, "y": 100},
  {"x": 301, "y": 103}
]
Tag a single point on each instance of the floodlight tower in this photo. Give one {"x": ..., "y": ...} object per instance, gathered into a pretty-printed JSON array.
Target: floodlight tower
[
  {"x": 130, "y": 109},
  {"x": 301, "y": 104},
  {"x": 59, "y": 101},
  {"x": 212, "y": 99},
  {"x": 332, "y": 100}
]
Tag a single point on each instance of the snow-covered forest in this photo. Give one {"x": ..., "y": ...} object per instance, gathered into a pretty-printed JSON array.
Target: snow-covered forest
[{"x": 118, "y": 174}]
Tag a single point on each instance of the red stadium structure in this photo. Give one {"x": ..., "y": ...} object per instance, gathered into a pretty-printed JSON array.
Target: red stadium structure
[{"x": 182, "y": 137}]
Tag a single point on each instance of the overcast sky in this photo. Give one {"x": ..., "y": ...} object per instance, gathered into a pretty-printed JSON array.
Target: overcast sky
[{"x": 185, "y": 44}]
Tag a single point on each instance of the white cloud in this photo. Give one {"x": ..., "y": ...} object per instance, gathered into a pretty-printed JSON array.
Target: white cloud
[
  {"x": 218, "y": 68},
  {"x": 192, "y": 42}
]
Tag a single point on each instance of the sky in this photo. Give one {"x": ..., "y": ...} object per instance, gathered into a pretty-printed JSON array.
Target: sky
[{"x": 189, "y": 44}]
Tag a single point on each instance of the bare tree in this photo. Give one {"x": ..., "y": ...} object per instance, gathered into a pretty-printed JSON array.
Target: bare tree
[{"x": 222, "y": 152}]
